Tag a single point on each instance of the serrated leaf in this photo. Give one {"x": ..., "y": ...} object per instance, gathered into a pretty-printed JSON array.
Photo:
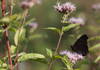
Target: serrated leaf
[
  {"x": 67, "y": 28},
  {"x": 53, "y": 29},
  {"x": 32, "y": 56},
  {"x": 97, "y": 59},
  {"x": 49, "y": 52}
]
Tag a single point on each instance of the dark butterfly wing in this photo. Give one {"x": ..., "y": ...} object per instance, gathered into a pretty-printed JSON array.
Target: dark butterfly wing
[{"x": 81, "y": 46}]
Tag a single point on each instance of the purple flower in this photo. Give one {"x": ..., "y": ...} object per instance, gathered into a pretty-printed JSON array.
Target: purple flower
[
  {"x": 96, "y": 6},
  {"x": 65, "y": 7},
  {"x": 73, "y": 57},
  {"x": 33, "y": 25},
  {"x": 26, "y": 4},
  {"x": 74, "y": 20}
]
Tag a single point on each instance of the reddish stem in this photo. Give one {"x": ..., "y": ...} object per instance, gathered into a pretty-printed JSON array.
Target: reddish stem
[
  {"x": 3, "y": 8},
  {"x": 8, "y": 48}
]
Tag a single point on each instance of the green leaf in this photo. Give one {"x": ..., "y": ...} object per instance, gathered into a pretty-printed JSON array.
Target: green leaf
[
  {"x": 67, "y": 63},
  {"x": 97, "y": 59},
  {"x": 35, "y": 36},
  {"x": 94, "y": 38},
  {"x": 57, "y": 57},
  {"x": 10, "y": 19},
  {"x": 30, "y": 21},
  {"x": 67, "y": 28},
  {"x": 13, "y": 49},
  {"x": 49, "y": 52},
  {"x": 53, "y": 29},
  {"x": 20, "y": 54},
  {"x": 1, "y": 30},
  {"x": 22, "y": 33},
  {"x": 19, "y": 35},
  {"x": 32, "y": 56},
  {"x": 94, "y": 48},
  {"x": 16, "y": 37},
  {"x": 1, "y": 62}
]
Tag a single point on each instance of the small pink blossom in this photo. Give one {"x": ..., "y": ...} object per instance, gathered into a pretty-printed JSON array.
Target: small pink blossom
[
  {"x": 77, "y": 21},
  {"x": 26, "y": 4},
  {"x": 96, "y": 6},
  {"x": 65, "y": 7},
  {"x": 74, "y": 57}
]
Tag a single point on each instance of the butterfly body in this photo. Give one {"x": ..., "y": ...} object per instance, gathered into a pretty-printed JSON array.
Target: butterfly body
[{"x": 81, "y": 46}]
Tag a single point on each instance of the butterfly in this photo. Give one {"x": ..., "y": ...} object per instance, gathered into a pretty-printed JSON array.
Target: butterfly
[{"x": 81, "y": 46}]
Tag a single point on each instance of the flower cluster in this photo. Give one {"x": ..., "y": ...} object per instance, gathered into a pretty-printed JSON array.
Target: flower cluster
[
  {"x": 65, "y": 7},
  {"x": 26, "y": 4},
  {"x": 73, "y": 57},
  {"x": 74, "y": 20},
  {"x": 96, "y": 6}
]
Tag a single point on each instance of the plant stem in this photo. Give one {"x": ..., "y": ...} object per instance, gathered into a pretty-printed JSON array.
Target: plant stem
[
  {"x": 3, "y": 7},
  {"x": 10, "y": 7},
  {"x": 57, "y": 48},
  {"x": 59, "y": 41},
  {"x": 17, "y": 51},
  {"x": 8, "y": 48}
]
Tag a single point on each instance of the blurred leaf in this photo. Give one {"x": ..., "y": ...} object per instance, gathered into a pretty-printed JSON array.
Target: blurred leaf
[
  {"x": 94, "y": 48},
  {"x": 32, "y": 56},
  {"x": 13, "y": 49},
  {"x": 1, "y": 30},
  {"x": 97, "y": 59},
  {"x": 30, "y": 21},
  {"x": 94, "y": 38},
  {"x": 16, "y": 37},
  {"x": 4, "y": 20},
  {"x": 77, "y": 69},
  {"x": 67, "y": 62},
  {"x": 19, "y": 35},
  {"x": 10, "y": 19},
  {"x": 12, "y": 29},
  {"x": 4, "y": 65},
  {"x": 19, "y": 54},
  {"x": 3, "y": 68},
  {"x": 67, "y": 28},
  {"x": 49, "y": 52},
  {"x": 1, "y": 62},
  {"x": 57, "y": 57},
  {"x": 53, "y": 29},
  {"x": 22, "y": 33},
  {"x": 34, "y": 36}
]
